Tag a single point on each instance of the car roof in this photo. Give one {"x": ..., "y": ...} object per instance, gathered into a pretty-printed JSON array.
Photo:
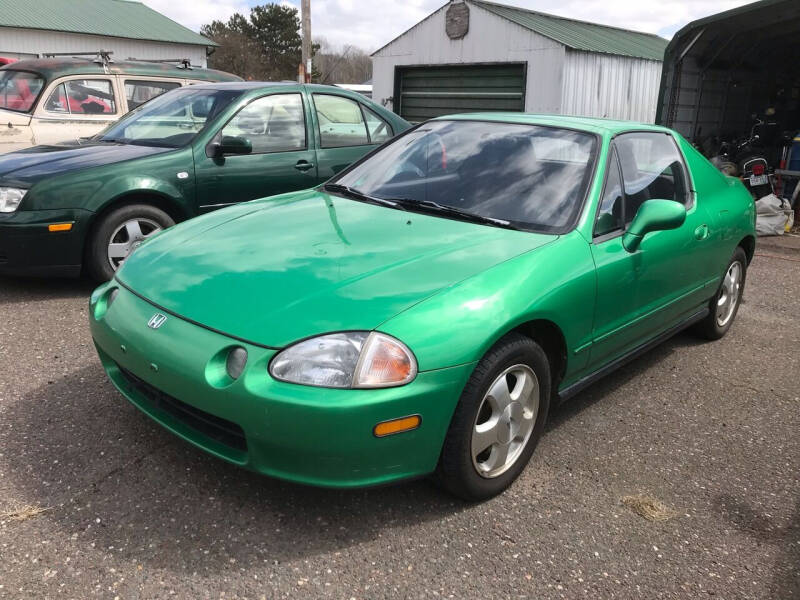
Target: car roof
[
  {"x": 51, "y": 68},
  {"x": 590, "y": 124}
]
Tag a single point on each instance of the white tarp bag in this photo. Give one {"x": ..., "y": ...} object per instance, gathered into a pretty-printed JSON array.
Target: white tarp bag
[{"x": 772, "y": 215}]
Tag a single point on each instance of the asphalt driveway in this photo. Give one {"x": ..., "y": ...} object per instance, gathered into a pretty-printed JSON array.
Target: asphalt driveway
[{"x": 99, "y": 501}]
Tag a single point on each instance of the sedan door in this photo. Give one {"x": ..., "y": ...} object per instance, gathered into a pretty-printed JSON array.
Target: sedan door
[
  {"x": 282, "y": 159},
  {"x": 644, "y": 293},
  {"x": 347, "y": 130}
]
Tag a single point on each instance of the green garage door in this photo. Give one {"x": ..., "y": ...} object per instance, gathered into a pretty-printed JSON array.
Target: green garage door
[{"x": 426, "y": 92}]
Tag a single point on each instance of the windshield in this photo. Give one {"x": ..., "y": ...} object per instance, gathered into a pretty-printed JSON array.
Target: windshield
[
  {"x": 171, "y": 120},
  {"x": 19, "y": 90},
  {"x": 530, "y": 176}
]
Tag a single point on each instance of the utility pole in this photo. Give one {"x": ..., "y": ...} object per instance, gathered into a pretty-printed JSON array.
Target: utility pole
[{"x": 304, "y": 72}]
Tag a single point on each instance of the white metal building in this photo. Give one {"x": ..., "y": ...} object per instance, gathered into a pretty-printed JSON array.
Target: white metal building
[
  {"x": 129, "y": 29},
  {"x": 472, "y": 55}
]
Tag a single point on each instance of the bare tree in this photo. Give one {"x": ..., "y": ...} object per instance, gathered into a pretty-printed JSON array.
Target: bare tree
[{"x": 345, "y": 64}]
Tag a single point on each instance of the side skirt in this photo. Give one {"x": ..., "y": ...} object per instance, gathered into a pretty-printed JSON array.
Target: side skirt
[{"x": 639, "y": 350}]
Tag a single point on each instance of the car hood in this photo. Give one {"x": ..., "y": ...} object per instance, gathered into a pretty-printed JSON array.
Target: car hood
[
  {"x": 277, "y": 270},
  {"x": 33, "y": 164}
]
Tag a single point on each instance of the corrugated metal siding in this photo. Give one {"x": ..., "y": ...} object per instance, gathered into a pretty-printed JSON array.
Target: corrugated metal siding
[
  {"x": 580, "y": 35},
  {"x": 15, "y": 41},
  {"x": 491, "y": 39},
  {"x": 614, "y": 87},
  {"x": 117, "y": 18}
]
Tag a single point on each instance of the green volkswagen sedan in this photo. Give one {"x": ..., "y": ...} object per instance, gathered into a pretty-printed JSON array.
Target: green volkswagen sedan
[
  {"x": 84, "y": 207},
  {"x": 421, "y": 312}
]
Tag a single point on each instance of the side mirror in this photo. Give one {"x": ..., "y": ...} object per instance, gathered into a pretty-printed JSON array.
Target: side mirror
[
  {"x": 229, "y": 144},
  {"x": 653, "y": 215}
]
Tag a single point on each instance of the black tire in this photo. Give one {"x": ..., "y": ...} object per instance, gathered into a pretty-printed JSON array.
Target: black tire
[
  {"x": 97, "y": 262},
  {"x": 710, "y": 327},
  {"x": 456, "y": 471}
]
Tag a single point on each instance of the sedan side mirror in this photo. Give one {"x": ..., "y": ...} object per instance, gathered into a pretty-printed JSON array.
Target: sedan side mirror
[
  {"x": 653, "y": 215},
  {"x": 229, "y": 144}
]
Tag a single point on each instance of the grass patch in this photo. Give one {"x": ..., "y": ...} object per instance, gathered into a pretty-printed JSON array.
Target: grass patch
[
  {"x": 648, "y": 507},
  {"x": 23, "y": 513}
]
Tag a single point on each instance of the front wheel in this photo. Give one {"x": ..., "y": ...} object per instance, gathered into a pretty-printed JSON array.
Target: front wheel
[
  {"x": 498, "y": 421},
  {"x": 119, "y": 233},
  {"x": 725, "y": 303}
]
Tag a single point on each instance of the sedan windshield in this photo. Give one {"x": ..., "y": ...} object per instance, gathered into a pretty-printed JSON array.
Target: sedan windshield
[
  {"x": 170, "y": 120},
  {"x": 19, "y": 90},
  {"x": 525, "y": 176}
]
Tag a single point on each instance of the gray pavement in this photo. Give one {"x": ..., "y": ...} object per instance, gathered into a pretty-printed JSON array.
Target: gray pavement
[{"x": 710, "y": 429}]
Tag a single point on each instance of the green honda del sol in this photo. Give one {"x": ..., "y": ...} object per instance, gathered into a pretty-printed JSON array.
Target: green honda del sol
[
  {"x": 421, "y": 312},
  {"x": 84, "y": 207}
]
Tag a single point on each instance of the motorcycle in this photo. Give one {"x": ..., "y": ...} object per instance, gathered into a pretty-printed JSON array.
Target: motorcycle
[{"x": 747, "y": 159}]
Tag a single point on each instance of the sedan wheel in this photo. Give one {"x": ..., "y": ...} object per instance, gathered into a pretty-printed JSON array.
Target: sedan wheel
[
  {"x": 127, "y": 237},
  {"x": 118, "y": 233},
  {"x": 505, "y": 420}
]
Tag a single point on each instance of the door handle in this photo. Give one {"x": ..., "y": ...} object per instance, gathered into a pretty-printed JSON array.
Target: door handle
[
  {"x": 303, "y": 165},
  {"x": 701, "y": 232}
]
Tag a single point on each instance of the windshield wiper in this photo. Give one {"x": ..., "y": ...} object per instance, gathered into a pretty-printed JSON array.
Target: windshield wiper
[
  {"x": 344, "y": 190},
  {"x": 456, "y": 212}
]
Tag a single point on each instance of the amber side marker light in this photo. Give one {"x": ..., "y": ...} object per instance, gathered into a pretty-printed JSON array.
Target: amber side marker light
[
  {"x": 397, "y": 426},
  {"x": 59, "y": 227}
]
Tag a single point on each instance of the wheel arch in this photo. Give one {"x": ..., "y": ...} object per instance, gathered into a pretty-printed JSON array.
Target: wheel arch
[
  {"x": 161, "y": 201},
  {"x": 748, "y": 244},
  {"x": 551, "y": 338}
]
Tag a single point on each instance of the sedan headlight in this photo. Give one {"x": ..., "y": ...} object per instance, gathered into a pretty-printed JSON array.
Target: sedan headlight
[
  {"x": 356, "y": 359},
  {"x": 10, "y": 199}
]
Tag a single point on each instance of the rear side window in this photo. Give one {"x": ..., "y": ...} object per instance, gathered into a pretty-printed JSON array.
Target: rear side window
[
  {"x": 139, "y": 92},
  {"x": 341, "y": 122},
  {"x": 83, "y": 97},
  {"x": 652, "y": 168}
]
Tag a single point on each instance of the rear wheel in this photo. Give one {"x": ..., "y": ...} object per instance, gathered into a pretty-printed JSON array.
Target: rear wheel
[
  {"x": 725, "y": 303},
  {"x": 119, "y": 234},
  {"x": 498, "y": 421}
]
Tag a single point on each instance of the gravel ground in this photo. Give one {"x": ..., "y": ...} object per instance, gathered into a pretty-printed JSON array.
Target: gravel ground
[{"x": 712, "y": 430}]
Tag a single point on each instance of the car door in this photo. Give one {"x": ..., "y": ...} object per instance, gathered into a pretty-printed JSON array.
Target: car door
[
  {"x": 346, "y": 131},
  {"x": 75, "y": 107},
  {"x": 282, "y": 160},
  {"x": 644, "y": 293}
]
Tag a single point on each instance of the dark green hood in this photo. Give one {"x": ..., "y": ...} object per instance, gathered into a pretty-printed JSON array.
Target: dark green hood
[
  {"x": 276, "y": 270},
  {"x": 32, "y": 164}
]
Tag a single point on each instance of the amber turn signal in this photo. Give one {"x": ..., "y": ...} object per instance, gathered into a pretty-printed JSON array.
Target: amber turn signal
[
  {"x": 397, "y": 426},
  {"x": 59, "y": 227}
]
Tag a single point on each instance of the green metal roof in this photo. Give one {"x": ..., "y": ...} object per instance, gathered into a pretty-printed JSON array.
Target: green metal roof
[
  {"x": 580, "y": 35},
  {"x": 115, "y": 18}
]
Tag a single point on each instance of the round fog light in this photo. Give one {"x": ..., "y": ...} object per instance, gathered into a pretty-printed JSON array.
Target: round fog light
[{"x": 235, "y": 363}]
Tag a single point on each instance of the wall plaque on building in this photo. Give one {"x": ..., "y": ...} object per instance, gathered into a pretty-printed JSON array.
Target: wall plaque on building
[{"x": 457, "y": 20}]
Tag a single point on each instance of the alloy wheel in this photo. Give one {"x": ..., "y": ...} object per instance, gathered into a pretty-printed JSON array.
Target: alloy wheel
[
  {"x": 505, "y": 421},
  {"x": 729, "y": 294},
  {"x": 127, "y": 237}
]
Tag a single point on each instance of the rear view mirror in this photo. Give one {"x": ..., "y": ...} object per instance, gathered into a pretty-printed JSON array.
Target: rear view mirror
[
  {"x": 230, "y": 144},
  {"x": 653, "y": 215}
]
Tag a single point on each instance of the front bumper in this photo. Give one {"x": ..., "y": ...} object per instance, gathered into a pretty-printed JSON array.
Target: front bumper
[
  {"x": 304, "y": 434},
  {"x": 28, "y": 248}
]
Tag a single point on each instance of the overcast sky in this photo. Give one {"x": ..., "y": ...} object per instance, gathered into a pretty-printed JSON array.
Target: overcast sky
[{"x": 372, "y": 23}]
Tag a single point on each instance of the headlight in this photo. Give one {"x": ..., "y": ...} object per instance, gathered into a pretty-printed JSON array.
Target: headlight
[
  {"x": 10, "y": 199},
  {"x": 356, "y": 359}
]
